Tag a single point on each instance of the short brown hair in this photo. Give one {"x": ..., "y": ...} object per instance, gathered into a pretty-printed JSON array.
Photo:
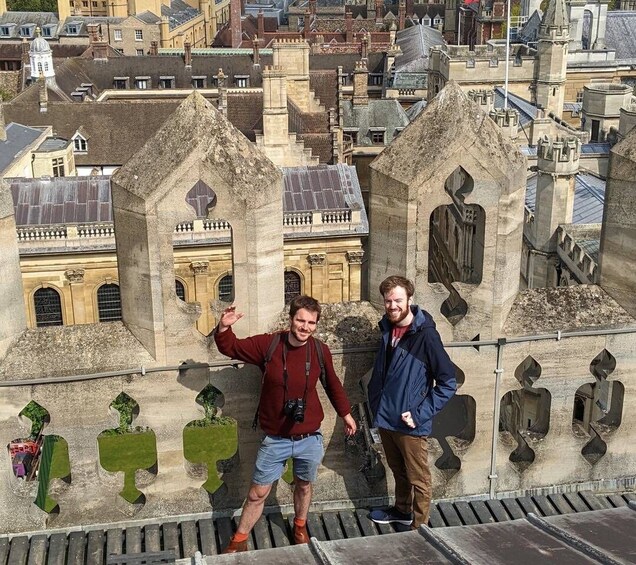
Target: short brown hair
[
  {"x": 388, "y": 284},
  {"x": 306, "y": 302}
]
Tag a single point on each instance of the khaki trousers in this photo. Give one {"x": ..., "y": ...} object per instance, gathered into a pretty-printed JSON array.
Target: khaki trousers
[{"x": 407, "y": 457}]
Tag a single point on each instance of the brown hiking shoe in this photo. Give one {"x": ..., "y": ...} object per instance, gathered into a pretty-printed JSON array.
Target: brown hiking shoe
[
  {"x": 301, "y": 535},
  {"x": 235, "y": 546}
]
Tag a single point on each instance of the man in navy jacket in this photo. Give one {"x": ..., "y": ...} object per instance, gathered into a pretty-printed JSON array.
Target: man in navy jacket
[{"x": 413, "y": 378}]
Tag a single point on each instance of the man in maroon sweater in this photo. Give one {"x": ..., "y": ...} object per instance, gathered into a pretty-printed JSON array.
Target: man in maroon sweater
[{"x": 289, "y": 411}]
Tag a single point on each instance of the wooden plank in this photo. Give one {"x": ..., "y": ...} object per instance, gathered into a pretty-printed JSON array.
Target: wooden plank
[
  {"x": 114, "y": 541},
  {"x": 57, "y": 549},
  {"x": 448, "y": 512},
  {"x": 350, "y": 526},
  {"x": 76, "y": 548},
  {"x": 208, "y": 540},
  {"x": 278, "y": 526},
  {"x": 617, "y": 500},
  {"x": 594, "y": 502},
  {"x": 189, "y": 541},
  {"x": 512, "y": 507},
  {"x": 37, "y": 553},
  {"x": 224, "y": 528},
  {"x": 152, "y": 537},
  {"x": 250, "y": 542},
  {"x": 315, "y": 528},
  {"x": 576, "y": 501},
  {"x": 528, "y": 505},
  {"x": 170, "y": 534},
  {"x": 466, "y": 513},
  {"x": 435, "y": 519},
  {"x": 95, "y": 547},
  {"x": 332, "y": 525},
  {"x": 497, "y": 510},
  {"x": 481, "y": 511},
  {"x": 544, "y": 505},
  {"x": 367, "y": 526},
  {"x": 4, "y": 550},
  {"x": 559, "y": 502},
  {"x": 133, "y": 539},
  {"x": 262, "y": 539},
  {"x": 18, "y": 551}
]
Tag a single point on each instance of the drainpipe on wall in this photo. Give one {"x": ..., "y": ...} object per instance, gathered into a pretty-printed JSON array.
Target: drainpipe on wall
[{"x": 492, "y": 477}]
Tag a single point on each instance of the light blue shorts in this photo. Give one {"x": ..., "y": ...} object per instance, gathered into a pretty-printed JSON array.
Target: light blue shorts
[{"x": 306, "y": 453}]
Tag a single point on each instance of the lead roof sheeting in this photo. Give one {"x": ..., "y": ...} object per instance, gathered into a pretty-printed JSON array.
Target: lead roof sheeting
[
  {"x": 19, "y": 137},
  {"x": 589, "y": 194},
  {"x": 527, "y": 111},
  {"x": 620, "y": 33}
]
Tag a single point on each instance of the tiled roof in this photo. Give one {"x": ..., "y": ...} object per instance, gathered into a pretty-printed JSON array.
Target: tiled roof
[
  {"x": 415, "y": 43},
  {"x": 19, "y": 137},
  {"x": 589, "y": 193},
  {"x": 620, "y": 33}
]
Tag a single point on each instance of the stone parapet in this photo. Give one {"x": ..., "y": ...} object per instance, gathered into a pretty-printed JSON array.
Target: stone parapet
[{"x": 559, "y": 156}]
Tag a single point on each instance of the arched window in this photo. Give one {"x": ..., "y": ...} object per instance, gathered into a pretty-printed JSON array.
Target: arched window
[
  {"x": 292, "y": 286},
  {"x": 179, "y": 289},
  {"x": 108, "y": 303},
  {"x": 226, "y": 288},
  {"x": 48, "y": 307}
]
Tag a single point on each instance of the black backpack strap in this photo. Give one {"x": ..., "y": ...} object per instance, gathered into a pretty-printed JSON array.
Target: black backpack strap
[
  {"x": 268, "y": 357},
  {"x": 321, "y": 359}
]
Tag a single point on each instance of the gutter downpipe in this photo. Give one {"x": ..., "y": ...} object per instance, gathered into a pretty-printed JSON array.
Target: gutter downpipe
[{"x": 492, "y": 477}]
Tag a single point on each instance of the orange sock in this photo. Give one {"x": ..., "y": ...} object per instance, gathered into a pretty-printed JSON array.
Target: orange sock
[
  {"x": 299, "y": 523},
  {"x": 240, "y": 537}
]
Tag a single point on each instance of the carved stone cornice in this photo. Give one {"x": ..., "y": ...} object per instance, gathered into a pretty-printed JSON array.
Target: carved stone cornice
[
  {"x": 317, "y": 259},
  {"x": 199, "y": 267},
  {"x": 74, "y": 275},
  {"x": 355, "y": 257}
]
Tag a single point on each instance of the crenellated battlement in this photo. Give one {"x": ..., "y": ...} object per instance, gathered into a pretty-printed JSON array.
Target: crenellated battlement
[
  {"x": 560, "y": 155},
  {"x": 482, "y": 97},
  {"x": 505, "y": 118}
]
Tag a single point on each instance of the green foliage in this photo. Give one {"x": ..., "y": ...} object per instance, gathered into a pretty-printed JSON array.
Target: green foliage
[
  {"x": 38, "y": 416},
  {"x": 128, "y": 452},
  {"x": 208, "y": 444},
  {"x": 5, "y": 95},
  {"x": 54, "y": 464},
  {"x": 127, "y": 408},
  {"x": 32, "y": 5}
]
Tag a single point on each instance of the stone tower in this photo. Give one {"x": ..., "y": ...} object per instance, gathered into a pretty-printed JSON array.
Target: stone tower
[
  {"x": 467, "y": 171},
  {"x": 552, "y": 52},
  {"x": 197, "y": 144},
  {"x": 617, "y": 261},
  {"x": 558, "y": 163}
]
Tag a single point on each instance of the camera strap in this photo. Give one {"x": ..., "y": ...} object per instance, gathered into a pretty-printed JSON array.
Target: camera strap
[{"x": 307, "y": 367}]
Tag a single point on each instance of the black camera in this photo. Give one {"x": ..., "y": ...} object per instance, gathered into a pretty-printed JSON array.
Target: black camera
[{"x": 295, "y": 409}]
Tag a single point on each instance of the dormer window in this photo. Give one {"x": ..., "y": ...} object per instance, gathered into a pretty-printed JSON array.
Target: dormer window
[
  {"x": 242, "y": 81},
  {"x": 5, "y": 31},
  {"x": 437, "y": 21},
  {"x": 80, "y": 145},
  {"x": 73, "y": 29},
  {"x": 47, "y": 31},
  {"x": 26, "y": 31},
  {"x": 166, "y": 82}
]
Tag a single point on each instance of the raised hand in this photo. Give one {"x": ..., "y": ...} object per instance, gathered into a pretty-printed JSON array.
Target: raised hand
[{"x": 229, "y": 317}]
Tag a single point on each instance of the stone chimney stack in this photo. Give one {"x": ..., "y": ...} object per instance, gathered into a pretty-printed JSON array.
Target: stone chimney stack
[
  {"x": 99, "y": 46},
  {"x": 558, "y": 164},
  {"x": 275, "y": 118},
  {"x": 360, "y": 84},
  {"x": 221, "y": 80},
  {"x": 364, "y": 46},
  {"x": 379, "y": 11},
  {"x": 44, "y": 94},
  {"x": 187, "y": 54},
  {"x": 235, "y": 22},
  {"x": 154, "y": 48},
  {"x": 256, "y": 52},
  {"x": 93, "y": 33},
  {"x": 349, "y": 26},
  {"x": 401, "y": 15}
]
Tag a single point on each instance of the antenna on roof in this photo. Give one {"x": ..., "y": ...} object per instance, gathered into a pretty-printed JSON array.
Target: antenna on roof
[{"x": 507, "y": 54}]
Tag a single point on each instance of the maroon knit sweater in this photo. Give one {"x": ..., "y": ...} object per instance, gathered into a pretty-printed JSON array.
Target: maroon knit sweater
[{"x": 271, "y": 416}]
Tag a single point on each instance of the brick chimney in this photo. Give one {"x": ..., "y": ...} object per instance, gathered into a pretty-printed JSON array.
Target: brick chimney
[
  {"x": 235, "y": 22},
  {"x": 187, "y": 54},
  {"x": 379, "y": 11},
  {"x": 307, "y": 24},
  {"x": 312, "y": 7},
  {"x": 261, "y": 23},
  {"x": 361, "y": 84},
  {"x": 98, "y": 44},
  {"x": 154, "y": 48},
  {"x": 401, "y": 15},
  {"x": 349, "y": 26}
]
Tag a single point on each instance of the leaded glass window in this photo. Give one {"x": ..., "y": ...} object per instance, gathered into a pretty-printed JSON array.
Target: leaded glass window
[
  {"x": 226, "y": 288},
  {"x": 109, "y": 303},
  {"x": 48, "y": 307},
  {"x": 292, "y": 286}
]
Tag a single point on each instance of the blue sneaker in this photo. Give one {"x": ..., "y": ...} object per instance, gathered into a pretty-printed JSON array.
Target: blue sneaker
[{"x": 389, "y": 515}]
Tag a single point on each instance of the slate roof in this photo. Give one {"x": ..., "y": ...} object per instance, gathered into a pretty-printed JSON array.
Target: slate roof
[
  {"x": 19, "y": 19},
  {"x": 620, "y": 33},
  {"x": 387, "y": 114},
  {"x": 527, "y": 110},
  {"x": 577, "y": 527},
  {"x": 530, "y": 31},
  {"x": 412, "y": 65},
  {"x": 413, "y": 111},
  {"x": 589, "y": 193},
  {"x": 82, "y": 22},
  {"x": 178, "y": 13},
  {"x": 19, "y": 138}
]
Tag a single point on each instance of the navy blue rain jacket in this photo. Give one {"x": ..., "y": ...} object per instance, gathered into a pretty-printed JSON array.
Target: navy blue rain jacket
[{"x": 420, "y": 377}]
